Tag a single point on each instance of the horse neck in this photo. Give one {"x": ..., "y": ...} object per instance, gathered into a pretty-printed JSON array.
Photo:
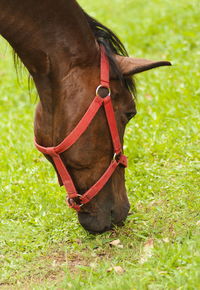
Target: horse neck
[{"x": 50, "y": 37}]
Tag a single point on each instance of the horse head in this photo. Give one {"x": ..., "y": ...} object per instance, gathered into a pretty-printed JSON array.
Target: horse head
[{"x": 63, "y": 56}]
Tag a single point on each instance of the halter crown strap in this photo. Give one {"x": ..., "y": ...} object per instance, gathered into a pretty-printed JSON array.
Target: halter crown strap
[
  {"x": 105, "y": 71},
  {"x": 74, "y": 199}
]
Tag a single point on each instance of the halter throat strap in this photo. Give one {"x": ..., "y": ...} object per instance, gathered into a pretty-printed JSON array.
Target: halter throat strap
[{"x": 74, "y": 199}]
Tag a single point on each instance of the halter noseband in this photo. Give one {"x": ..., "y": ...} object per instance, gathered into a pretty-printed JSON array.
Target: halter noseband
[{"x": 74, "y": 199}]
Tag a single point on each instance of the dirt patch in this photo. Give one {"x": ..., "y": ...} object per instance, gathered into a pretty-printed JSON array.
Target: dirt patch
[{"x": 50, "y": 268}]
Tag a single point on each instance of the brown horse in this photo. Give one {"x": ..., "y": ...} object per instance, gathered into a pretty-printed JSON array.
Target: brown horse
[{"x": 59, "y": 45}]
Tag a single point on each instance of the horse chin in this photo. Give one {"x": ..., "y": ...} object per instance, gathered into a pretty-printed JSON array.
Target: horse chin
[{"x": 102, "y": 222}]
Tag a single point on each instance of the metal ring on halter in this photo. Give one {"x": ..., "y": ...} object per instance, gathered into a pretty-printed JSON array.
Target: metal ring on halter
[
  {"x": 116, "y": 156},
  {"x": 99, "y": 87},
  {"x": 71, "y": 201}
]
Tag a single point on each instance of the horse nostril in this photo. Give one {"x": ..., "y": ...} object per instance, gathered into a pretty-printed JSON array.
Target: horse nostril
[{"x": 119, "y": 215}]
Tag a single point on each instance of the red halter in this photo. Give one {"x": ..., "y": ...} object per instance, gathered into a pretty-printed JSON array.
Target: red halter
[{"x": 74, "y": 199}]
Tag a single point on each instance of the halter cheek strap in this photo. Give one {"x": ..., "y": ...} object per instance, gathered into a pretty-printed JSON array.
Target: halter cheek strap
[{"x": 74, "y": 199}]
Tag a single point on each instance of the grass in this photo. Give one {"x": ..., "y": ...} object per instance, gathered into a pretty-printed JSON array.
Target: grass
[{"x": 42, "y": 246}]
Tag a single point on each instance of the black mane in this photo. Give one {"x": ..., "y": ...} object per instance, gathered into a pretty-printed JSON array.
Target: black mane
[{"x": 113, "y": 45}]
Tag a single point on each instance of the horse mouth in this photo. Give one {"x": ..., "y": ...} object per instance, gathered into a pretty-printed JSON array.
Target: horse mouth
[{"x": 98, "y": 224}]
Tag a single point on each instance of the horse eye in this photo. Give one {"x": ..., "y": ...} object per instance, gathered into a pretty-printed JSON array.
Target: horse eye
[{"x": 130, "y": 115}]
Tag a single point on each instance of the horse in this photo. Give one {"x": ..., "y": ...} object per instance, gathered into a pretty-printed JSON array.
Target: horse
[{"x": 68, "y": 55}]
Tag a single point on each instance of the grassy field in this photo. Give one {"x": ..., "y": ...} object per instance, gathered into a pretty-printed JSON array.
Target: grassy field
[{"x": 42, "y": 246}]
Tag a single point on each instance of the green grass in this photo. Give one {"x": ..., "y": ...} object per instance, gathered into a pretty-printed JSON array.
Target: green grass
[{"x": 42, "y": 246}]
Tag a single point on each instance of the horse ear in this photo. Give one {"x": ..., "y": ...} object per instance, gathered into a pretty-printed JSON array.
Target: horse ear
[{"x": 130, "y": 66}]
